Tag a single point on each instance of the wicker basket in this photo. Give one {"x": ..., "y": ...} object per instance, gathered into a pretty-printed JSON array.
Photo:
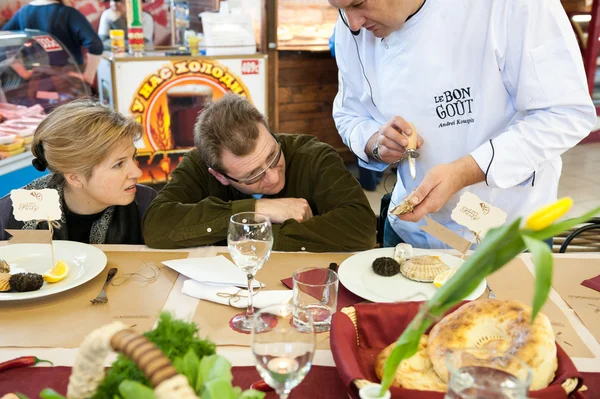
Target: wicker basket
[
  {"x": 88, "y": 370},
  {"x": 569, "y": 385}
]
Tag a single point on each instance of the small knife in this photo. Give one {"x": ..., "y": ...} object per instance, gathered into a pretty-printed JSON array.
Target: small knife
[{"x": 411, "y": 152}]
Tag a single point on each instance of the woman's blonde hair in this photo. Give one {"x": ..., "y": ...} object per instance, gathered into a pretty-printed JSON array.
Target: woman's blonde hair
[{"x": 80, "y": 135}]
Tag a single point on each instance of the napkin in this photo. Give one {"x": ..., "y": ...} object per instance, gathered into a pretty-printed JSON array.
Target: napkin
[
  {"x": 214, "y": 270},
  {"x": 593, "y": 283},
  {"x": 223, "y": 293}
]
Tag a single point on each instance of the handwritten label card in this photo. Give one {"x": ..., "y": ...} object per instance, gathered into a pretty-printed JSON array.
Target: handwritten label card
[
  {"x": 35, "y": 204},
  {"x": 477, "y": 215}
]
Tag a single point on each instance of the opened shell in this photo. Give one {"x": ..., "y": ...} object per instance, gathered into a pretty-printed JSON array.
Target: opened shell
[
  {"x": 404, "y": 207},
  {"x": 423, "y": 268},
  {"x": 4, "y": 284},
  {"x": 4, "y": 266}
]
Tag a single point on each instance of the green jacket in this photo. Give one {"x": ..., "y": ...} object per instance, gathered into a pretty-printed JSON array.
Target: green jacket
[{"x": 194, "y": 208}]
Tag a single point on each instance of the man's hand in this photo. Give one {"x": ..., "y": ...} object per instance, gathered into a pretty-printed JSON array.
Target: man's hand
[
  {"x": 441, "y": 183},
  {"x": 391, "y": 141},
  {"x": 282, "y": 209}
]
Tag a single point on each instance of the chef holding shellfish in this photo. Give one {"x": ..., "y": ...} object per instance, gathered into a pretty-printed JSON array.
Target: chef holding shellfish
[{"x": 489, "y": 94}]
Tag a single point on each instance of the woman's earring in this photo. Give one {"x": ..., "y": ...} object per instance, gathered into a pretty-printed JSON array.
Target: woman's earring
[{"x": 80, "y": 185}]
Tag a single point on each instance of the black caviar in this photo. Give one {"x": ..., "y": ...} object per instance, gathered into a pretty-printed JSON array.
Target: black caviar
[
  {"x": 386, "y": 267},
  {"x": 24, "y": 282}
]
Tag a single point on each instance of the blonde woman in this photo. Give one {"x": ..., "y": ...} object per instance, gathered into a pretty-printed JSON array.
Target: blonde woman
[{"x": 89, "y": 150}]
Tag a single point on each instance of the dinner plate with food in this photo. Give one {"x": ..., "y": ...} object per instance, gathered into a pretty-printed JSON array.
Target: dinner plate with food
[
  {"x": 27, "y": 270},
  {"x": 400, "y": 274}
]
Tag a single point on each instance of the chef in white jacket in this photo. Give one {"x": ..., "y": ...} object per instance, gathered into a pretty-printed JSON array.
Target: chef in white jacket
[{"x": 495, "y": 89}]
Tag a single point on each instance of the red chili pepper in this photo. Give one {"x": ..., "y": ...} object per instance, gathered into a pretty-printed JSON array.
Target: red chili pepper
[{"x": 23, "y": 361}]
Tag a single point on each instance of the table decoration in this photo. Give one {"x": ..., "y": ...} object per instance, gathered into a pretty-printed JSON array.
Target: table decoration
[
  {"x": 169, "y": 362},
  {"x": 499, "y": 246}
]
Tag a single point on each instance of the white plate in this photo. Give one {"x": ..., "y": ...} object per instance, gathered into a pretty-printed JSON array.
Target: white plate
[
  {"x": 357, "y": 275},
  {"x": 85, "y": 262}
]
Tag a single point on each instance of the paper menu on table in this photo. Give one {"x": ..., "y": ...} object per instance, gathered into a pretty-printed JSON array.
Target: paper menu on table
[
  {"x": 213, "y": 270},
  {"x": 515, "y": 281},
  {"x": 568, "y": 275}
]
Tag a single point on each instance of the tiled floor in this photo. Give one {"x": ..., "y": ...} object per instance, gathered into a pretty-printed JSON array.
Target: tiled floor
[{"x": 580, "y": 179}]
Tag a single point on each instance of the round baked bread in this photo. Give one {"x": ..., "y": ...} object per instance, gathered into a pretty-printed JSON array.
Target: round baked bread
[
  {"x": 415, "y": 372},
  {"x": 500, "y": 325}
]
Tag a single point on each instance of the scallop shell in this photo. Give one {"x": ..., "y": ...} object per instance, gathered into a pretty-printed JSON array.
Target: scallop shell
[
  {"x": 423, "y": 268},
  {"x": 4, "y": 266},
  {"x": 4, "y": 284}
]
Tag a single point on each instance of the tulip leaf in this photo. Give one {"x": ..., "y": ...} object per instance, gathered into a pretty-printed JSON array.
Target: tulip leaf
[
  {"x": 557, "y": 228},
  {"x": 542, "y": 258},
  {"x": 406, "y": 346}
]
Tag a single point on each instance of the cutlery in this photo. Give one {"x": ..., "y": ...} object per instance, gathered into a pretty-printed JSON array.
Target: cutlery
[
  {"x": 101, "y": 298},
  {"x": 412, "y": 153}
]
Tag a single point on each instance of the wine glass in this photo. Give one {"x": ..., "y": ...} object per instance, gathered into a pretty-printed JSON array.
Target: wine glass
[
  {"x": 249, "y": 240},
  {"x": 284, "y": 350}
]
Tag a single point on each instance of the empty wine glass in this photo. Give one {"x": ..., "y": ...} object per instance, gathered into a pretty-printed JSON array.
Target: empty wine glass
[
  {"x": 284, "y": 350},
  {"x": 249, "y": 240}
]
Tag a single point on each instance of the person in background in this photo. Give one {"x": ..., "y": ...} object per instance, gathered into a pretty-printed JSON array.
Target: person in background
[
  {"x": 94, "y": 172},
  {"x": 115, "y": 17},
  {"x": 314, "y": 203},
  {"x": 66, "y": 24},
  {"x": 495, "y": 89}
]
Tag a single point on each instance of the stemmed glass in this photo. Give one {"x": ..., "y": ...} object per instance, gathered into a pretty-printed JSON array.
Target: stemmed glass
[
  {"x": 284, "y": 350},
  {"x": 249, "y": 240}
]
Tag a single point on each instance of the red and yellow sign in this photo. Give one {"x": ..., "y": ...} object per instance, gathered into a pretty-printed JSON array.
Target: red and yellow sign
[{"x": 167, "y": 104}]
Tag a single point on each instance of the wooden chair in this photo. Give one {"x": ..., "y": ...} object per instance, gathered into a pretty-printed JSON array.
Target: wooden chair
[{"x": 584, "y": 238}]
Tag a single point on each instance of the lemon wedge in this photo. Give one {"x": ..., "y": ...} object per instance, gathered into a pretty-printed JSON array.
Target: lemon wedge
[
  {"x": 441, "y": 278},
  {"x": 57, "y": 273}
]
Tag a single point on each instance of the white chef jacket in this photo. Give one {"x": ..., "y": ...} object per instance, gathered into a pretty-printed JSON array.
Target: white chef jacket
[{"x": 502, "y": 80}]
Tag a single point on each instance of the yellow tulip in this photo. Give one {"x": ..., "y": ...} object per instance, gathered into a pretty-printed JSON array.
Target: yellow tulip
[{"x": 548, "y": 214}]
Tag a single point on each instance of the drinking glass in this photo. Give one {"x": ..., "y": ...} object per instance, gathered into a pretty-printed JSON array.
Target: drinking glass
[
  {"x": 249, "y": 240},
  {"x": 316, "y": 290},
  {"x": 284, "y": 350},
  {"x": 486, "y": 373}
]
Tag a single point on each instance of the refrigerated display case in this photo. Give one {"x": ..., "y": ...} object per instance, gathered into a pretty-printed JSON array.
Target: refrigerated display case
[
  {"x": 37, "y": 74},
  {"x": 305, "y": 24}
]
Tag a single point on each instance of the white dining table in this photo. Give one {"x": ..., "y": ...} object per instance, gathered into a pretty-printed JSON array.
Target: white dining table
[{"x": 184, "y": 307}]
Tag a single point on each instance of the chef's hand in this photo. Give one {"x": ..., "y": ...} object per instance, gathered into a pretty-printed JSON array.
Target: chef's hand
[
  {"x": 441, "y": 183},
  {"x": 391, "y": 141}
]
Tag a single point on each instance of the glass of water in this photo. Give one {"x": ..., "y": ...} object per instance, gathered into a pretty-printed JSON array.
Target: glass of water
[
  {"x": 284, "y": 350},
  {"x": 486, "y": 373},
  {"x": 249, "y": 240},
  {"x": 316, "y": 290}
]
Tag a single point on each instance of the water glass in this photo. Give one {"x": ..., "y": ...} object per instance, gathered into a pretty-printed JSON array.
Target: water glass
[
  {"x": 485, "y": 373},
  {"x": 249, "y": 240},
  {"x": 316, "y": 290},
  {"x": 284, "y": 350}
]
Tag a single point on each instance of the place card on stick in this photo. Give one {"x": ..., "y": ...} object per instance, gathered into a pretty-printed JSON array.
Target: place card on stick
[{"x": 37, "y": 205}]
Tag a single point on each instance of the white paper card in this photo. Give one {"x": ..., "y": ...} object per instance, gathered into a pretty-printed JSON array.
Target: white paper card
[
  {"x": 220, "y": 293},
  {"x": 212, "y": 270},
  {"x": 477, "y": 215},
  {"x": 36, "y": 204}
]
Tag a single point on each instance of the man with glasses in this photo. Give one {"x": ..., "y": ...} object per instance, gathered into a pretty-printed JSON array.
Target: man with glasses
[
  {"x": 495, "y": 89},
  {"x": 314, "y": 203}
]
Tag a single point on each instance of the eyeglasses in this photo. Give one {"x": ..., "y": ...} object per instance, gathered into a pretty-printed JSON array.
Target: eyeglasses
[{"x": 259, "y": 176}]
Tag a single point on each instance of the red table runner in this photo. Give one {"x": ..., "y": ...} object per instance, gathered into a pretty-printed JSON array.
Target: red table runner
[{"x": 320, "y": 383}]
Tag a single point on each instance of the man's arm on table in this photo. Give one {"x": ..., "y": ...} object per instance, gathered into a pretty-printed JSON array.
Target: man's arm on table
[{"x": 184, "y": 215}]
